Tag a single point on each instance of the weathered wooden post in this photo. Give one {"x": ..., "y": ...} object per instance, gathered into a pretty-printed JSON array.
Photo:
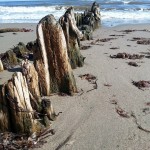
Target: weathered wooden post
[
  {"x": 51, "y": 59},
  {"x": 21, "y": 109},
  {"x": 73, "y": 36},
  {"x": 88, "y": 21},
  {"x": 15, "y": 95}
]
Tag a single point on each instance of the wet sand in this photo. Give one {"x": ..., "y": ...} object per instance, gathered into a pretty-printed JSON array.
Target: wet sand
[{"x": 115, "y": 116}]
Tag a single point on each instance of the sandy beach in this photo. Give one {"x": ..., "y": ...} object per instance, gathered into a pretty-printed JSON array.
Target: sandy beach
[{"x": 92, "y": 119}]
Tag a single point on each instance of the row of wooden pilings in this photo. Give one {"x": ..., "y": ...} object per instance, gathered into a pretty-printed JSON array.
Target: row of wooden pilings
[{"x": 55, "y": 53}]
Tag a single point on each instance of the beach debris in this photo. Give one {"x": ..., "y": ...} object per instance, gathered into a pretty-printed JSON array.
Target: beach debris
[
  {"x": 136, "y": 39},
  {"x": 88, "y": 77},
  {"x": 141, "y": 84},
  {"x": 81, "y": 92},
  {"x": 95, "y": 86},
  {"x": 137, "y": 123},
  {"x": 130, "y": 30},
  {"x": 109, "y": 85},
  {"x": 15, "y": 30},
  {"x": 91, "y": 79},
  {"x": 102, "y": 40},
  {"x": 146, "y": 110},
  {"x": 13, "y": 141},
  {"x": 116, "y": 35},
  {"x": 114, "y": 47},
  {"x": 127, "y": 56},
  {"x": 143, "y": 41},
  {"x": 96, "y": 43},
  {"x": 85, "y": 47},
  {"x": 122, "y": 112},
  {"x": 133, "y": 64},
  {"x": 106, "y": 39},
  {"x": 115, "y": 102},
  {"x": 62, "y": 94},
  {"x": 148, "y": 103}
]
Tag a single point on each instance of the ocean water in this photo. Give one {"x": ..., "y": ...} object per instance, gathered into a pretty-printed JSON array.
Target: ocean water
[{"x": 113, "y": 12}]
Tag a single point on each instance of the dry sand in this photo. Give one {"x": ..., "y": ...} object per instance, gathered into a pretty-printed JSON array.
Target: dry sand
[{"x": 89, "y": 120}]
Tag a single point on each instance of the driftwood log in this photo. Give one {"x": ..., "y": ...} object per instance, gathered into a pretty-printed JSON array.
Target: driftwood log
[
  {"x": 73, "y": 36},
  {"x": 51, "y": 59},
  {"x": 15, "y": 30}
]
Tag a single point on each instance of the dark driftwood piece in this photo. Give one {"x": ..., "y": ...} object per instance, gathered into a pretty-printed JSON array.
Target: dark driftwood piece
[
  {"x": 127, "y": 56},
  {"x": 133, "y": 64},
  {"x": 73, "y": 36},
  {"x": 15, "y": 30},
  {"x": 141, "y": 84},
  {"x": 51, "y": 59}
]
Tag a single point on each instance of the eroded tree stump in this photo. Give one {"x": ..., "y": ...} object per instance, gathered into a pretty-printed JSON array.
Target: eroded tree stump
[
  {"x": 51, "y": 59},
  {"x": 16, "y": 96},
  {"x": 73, "y": 36},
  {"x": 88, "y": 21},
  {"x": 21, "y": 110},
  {"x": 28, "y": 70}
]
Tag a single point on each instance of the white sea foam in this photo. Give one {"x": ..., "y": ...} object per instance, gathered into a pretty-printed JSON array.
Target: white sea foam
[
  {"x": 24, "y": 14},
  {"x": 112, "y": 18},
  {"x": 28, "y": 14},
  {"x": 125, "y": 14}
]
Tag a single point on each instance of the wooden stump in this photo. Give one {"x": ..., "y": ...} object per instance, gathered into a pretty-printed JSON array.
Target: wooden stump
[
  {"x": 18, "y": 112},
  {"x": 88, "y": 21},
  {"x": 51, "y": 59},
  {"x": 73, "y": 36},
  {"x": 18, "y": 103},
  {"x": 95, "y": 9},
  {"x": 31, "y": 75}
]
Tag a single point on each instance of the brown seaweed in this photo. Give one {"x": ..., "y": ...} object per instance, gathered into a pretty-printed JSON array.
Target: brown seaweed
[
  {"x": 141, "y": 84},
  {"x": 127, "y": 56}
]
